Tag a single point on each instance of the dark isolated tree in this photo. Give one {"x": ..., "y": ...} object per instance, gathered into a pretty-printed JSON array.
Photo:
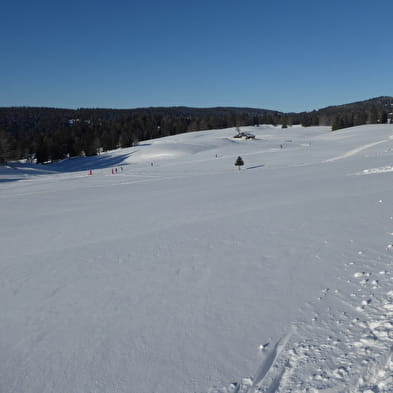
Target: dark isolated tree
[{"x": 239, "y": 162}]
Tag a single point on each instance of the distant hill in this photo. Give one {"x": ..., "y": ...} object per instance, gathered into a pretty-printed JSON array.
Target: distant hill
[
  {"x": 375, "y": 110},
  {"x": 382, "y": 103},
  {"x": 55, "y": 133},
  {"x": 21, "y": 118}
]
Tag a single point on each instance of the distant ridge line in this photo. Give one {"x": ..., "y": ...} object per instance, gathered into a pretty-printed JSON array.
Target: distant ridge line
[{"x": 191, "y": 109}]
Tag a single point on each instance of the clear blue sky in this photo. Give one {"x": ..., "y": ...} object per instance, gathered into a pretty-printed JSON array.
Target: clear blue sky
[{"x": 278, "y": 54}]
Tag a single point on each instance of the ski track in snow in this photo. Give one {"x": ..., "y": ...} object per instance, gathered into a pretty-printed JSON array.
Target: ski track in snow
[{"x": 356, "y": 151}]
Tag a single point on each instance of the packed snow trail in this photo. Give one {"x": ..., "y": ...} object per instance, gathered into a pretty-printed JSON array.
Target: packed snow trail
[{"x": 356, "y": 151}]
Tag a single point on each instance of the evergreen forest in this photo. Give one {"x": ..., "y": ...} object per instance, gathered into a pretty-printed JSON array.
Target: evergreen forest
[{"x": 50, "y": 134}]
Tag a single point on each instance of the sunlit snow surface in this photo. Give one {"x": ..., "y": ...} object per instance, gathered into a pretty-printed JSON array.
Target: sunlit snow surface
[{"x": 182, "y": 274}]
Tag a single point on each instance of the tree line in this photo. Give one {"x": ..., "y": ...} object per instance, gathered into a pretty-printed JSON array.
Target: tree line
[{"x": 50, "y": 134}]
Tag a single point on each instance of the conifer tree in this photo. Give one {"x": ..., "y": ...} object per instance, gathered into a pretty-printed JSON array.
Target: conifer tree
[{"x": 239, "y": 162}]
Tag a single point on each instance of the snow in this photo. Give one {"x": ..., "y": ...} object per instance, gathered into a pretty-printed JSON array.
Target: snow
[{"x": 180, "y": 273}]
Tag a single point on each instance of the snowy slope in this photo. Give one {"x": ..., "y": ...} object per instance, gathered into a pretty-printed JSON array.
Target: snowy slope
[{"x": 181, "y": 273}]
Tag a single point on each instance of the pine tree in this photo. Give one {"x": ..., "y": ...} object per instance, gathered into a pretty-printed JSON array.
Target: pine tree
[{"x": 239, "y": 162}]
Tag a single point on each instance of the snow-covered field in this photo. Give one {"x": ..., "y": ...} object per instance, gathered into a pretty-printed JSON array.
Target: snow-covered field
[{"x": 182, "y": 274}]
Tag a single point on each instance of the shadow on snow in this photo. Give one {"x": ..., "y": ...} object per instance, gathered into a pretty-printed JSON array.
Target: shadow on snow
[
  {"x": 77, "y": 164},
  {"x": 20, "y": 171}
]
